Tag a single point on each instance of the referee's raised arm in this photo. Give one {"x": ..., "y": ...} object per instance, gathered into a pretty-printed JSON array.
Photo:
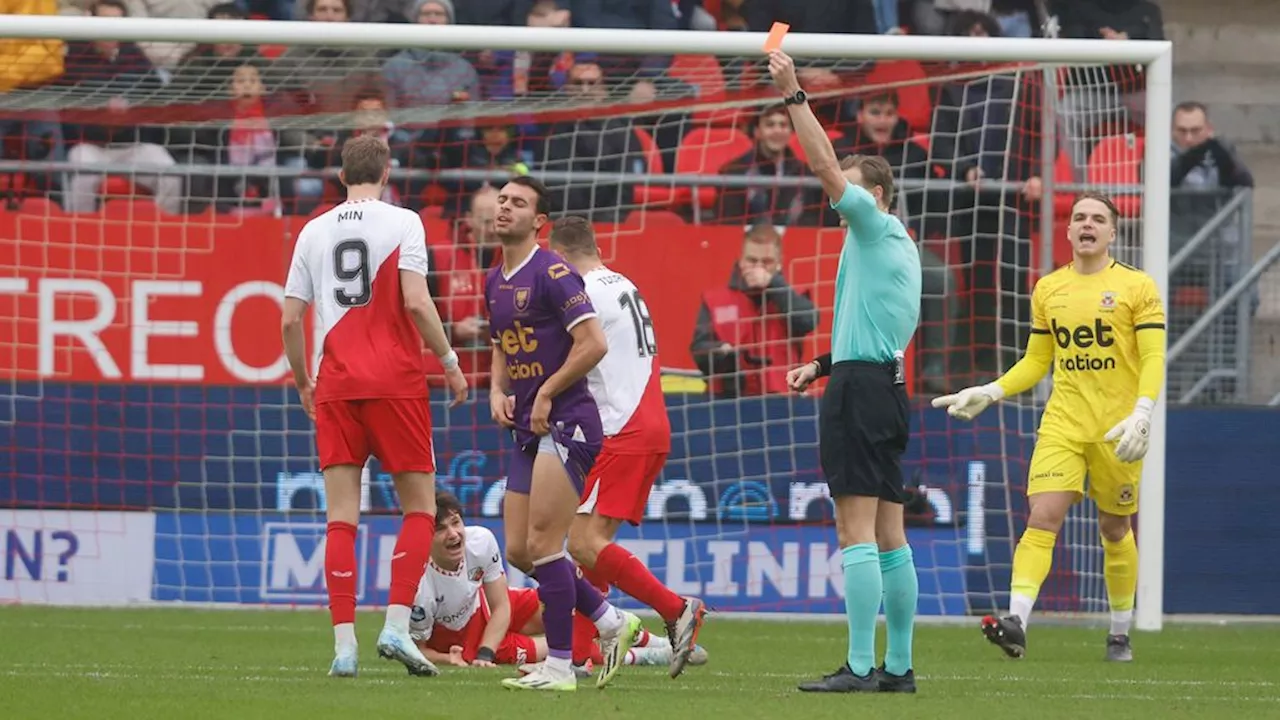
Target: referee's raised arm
[{"x": 817, "y": 146}]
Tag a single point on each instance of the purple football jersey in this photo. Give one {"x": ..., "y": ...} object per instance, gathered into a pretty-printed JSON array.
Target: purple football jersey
[{"x": 530, "y": 314}]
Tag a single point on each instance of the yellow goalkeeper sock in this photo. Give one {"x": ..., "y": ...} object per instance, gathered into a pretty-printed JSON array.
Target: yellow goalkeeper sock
[
  {"x": 1120, "y": 571},
  {"x": 1031, "y": 562}
]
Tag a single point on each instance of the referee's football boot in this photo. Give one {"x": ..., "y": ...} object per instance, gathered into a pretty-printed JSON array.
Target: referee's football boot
[
  {"x": 890, "y": 683},
  {"x": 683, "y": 634},
  {"x": 844, "y": 681},
  {"x": 1007, "y": 634},
  {"x": 1119, "y": 649}
]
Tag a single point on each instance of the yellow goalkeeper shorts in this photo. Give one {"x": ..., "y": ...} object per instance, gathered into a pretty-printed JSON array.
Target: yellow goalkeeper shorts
[{"x": 1059, "y": 465}]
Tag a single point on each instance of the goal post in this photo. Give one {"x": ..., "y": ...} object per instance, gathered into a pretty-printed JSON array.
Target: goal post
[{"x": 271, "y": 431}]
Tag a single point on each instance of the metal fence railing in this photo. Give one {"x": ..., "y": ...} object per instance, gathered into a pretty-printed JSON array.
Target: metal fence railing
[{"x": 1214, "y": 294}]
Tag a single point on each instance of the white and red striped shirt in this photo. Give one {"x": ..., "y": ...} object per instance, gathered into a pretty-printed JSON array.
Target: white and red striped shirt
[
  {"x": 627, "y": 383},
  {"x": 347, "y": 264}
]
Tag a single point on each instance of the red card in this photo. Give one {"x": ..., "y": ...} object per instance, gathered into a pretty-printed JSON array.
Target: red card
[{"x": 776, "y": 34}]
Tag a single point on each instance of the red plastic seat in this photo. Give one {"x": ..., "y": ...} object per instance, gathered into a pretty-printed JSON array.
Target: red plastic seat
[
  {"x": 796, "y": 148},
  {"x": 909, "y": 80},
  {"x": 703, "y": 72},
  {"x": 118, "y": 186},
  {"x": 703, "y": 152},
  {"x": 648, "y": 195},
  {"x": 1117, "y": 160}
]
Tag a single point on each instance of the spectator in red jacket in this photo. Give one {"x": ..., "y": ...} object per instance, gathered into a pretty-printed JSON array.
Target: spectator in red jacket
[{"x": 750, "y": 333}]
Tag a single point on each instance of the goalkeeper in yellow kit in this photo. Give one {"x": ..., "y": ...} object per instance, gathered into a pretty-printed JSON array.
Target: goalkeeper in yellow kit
[{"x": 1100, "y": 324}]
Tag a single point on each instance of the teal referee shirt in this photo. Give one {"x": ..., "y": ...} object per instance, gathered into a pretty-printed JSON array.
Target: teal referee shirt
[{"x": 877, "y": 284}]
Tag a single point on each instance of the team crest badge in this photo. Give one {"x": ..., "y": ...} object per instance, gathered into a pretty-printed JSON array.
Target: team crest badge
[
  {"x": 522, "y": 299},
  {"x": 477, "y": 574},
  {"x": 1108, "y": 300},
  {"x": 1125, "y": 495}
]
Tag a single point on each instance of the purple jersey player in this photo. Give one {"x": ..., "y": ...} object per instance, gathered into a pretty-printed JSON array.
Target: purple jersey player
[
  {"x": 546, "y": 338},
  {"x": 532, "y": 312}
]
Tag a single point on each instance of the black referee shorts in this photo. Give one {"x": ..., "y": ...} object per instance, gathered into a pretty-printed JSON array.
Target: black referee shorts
[{"x": 863, "y": 428}]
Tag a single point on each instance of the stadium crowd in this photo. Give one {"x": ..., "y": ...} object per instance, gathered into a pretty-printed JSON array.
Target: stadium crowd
[{"x": 557, "y": 115}]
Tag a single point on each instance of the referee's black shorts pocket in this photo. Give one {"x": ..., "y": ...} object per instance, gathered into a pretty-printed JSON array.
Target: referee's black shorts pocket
[{"x": 863, "y": 433}]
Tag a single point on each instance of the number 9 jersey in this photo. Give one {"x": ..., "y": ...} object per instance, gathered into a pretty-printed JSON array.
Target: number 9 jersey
[{"x": 347, "y": 264}]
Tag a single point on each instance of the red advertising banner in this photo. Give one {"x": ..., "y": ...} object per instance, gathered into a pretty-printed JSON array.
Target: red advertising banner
[{"x": 129, "y": 296}]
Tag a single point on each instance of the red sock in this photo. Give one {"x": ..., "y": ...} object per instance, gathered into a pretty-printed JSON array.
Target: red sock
[
  {"x": 594, "y": 578},
  {"x": 621, "y": 569},
  {"x": 409, "y": 560},
  {"x": 340, "y": 574},
  {"x": 584, "y": 640}
]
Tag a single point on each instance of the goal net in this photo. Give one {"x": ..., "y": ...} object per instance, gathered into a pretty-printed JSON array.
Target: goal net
[{"x": 151, "y": 448}]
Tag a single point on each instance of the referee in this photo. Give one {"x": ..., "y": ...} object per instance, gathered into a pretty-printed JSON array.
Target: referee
[{"x": 863, "y": 418}]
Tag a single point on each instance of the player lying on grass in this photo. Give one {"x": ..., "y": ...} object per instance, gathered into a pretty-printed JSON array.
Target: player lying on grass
[
  {"x": 465, "y": 613},
  {"x": 627, "y": 388},
  {"x": 546, "y": 338},
  {"x": 467, "y": 616},
  {"x": 363, "y": 265},
  {"x": 1099, "y": 324}
]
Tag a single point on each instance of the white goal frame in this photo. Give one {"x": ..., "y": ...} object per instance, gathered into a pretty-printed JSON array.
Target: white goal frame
[{"x": 1156, "y": 57}]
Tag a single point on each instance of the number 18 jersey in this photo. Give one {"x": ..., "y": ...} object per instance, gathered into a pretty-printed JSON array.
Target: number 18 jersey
[
  {"x": 347, "y": 264},
  {"x": 627, "y": 383}
]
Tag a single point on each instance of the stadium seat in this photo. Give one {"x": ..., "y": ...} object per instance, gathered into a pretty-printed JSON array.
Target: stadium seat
[
  {"x": 1117, "y": 160},
  {"x": 651, "y": 195},
  {"x": 703, "y": 152},
  {"x": 703, "y": 72},
  {"x": 796, "y": 148},
  {"x": 40, "y": 206},
  {"x": 650, "y": 218},
  {"x": 116, "y": 186},
  {"x": 1063, "y": 173},
  {"x": 131, "y": 209},
  {"x": 911, "y": 82}
]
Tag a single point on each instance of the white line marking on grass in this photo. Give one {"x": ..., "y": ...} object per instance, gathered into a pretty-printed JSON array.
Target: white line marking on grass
[{"x": 1133, "y": 682}]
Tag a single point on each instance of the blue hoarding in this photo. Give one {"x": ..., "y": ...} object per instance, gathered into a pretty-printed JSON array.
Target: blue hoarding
[{"x": 279, "y": 558}]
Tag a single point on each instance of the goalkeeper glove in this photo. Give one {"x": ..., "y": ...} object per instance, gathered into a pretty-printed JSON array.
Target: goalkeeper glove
[
  {"x": 1133, "y": 432},
  {"x": 969, "y": 402}
]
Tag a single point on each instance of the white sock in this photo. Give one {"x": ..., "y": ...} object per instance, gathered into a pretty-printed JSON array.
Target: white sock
[
  {"x": 1120, "y": 620},
  {"x": 1020, "y": 607},
  {"x": 398, "y": 617},
  {"x": 559, "y": 666},
  {"x": 610, "y": 622},
  {"x": 344, "y": 636}
]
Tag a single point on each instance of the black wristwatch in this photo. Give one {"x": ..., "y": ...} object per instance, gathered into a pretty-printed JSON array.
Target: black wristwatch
[{"x": 799, "y": 98}]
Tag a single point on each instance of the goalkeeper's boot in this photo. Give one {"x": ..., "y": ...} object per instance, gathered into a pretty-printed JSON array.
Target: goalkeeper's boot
[
  {"x": 1119, "y": 649},
  {"x": 905, "y": 683},
  {"x": 843, "y": 681},
  {"x": 397, "y": 645},
  {"x": 1007, "y": 634},
  {"x": 614, "y": 647},
  {"x": 544, "y": 678},
  {"x": 683, "y": 634},
  {"x": 345, "y": 663}
]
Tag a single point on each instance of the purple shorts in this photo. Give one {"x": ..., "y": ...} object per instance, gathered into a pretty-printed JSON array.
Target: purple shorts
[{"x": 575, "y": 452}]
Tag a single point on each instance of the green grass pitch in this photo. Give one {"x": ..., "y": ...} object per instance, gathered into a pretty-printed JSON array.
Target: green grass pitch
[{"x": 60, "y": 664}]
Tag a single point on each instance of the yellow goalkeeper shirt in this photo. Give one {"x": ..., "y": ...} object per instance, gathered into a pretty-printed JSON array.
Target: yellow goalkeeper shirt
[{"x": 1103, "y": 334}]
